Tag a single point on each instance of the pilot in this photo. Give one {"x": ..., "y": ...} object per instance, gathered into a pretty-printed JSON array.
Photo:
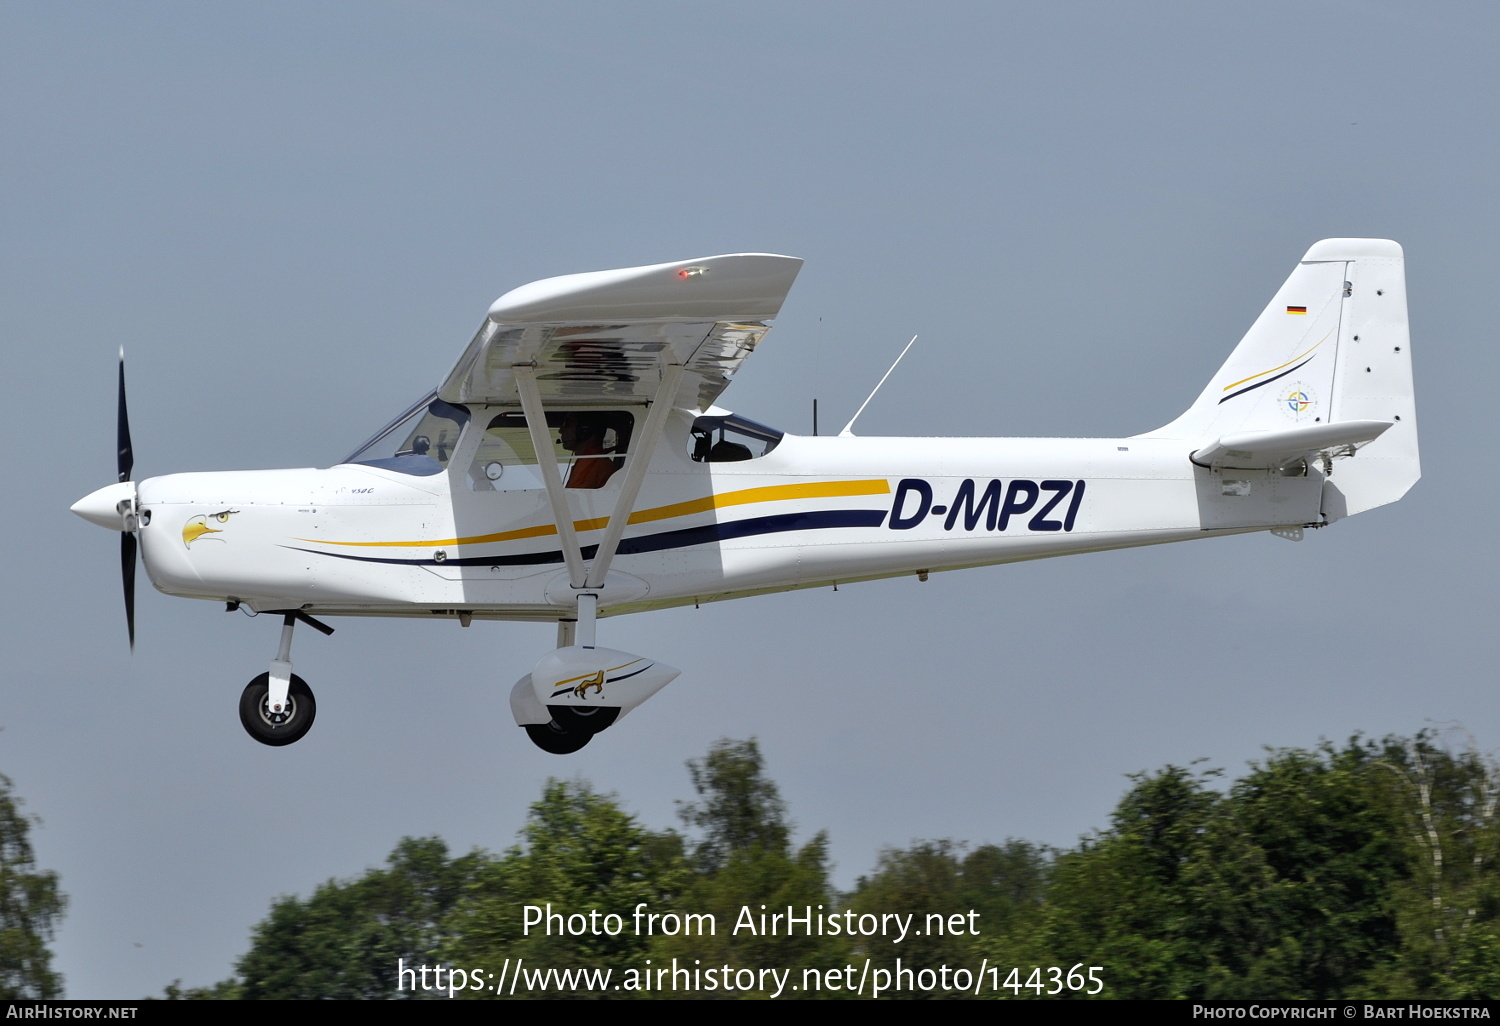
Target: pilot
[{"x": 582, "y": 434}]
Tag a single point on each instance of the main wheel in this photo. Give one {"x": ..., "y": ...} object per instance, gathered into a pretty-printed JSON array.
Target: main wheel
[
  {"x": 584, "y": 719},
  {"x": 550, "y": 737},
  {"x": 277, "y": 728}
]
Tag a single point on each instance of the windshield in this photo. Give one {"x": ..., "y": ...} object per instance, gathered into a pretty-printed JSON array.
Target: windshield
[{"x": 419, "y": 442}]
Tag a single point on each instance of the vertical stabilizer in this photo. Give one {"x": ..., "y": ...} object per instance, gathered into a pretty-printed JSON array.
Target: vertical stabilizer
[{"x": 1332, "y": 347}]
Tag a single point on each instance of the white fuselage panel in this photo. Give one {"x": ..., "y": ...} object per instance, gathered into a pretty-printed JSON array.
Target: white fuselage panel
[{"x": 357, "y": 539}]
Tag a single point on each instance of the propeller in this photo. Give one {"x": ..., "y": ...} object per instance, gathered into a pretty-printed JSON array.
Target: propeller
[
  {"x": 114, "y": 507},
  {"x": 125, "y": 456}
]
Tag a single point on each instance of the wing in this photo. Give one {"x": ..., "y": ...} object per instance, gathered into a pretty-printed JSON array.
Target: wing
[{"x": 604, "y": 337}]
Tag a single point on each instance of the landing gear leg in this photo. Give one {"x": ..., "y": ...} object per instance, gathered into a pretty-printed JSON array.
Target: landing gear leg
[
  {"x": 572, "y": 719},
  {"x": 588, "y": 616},
  {"x": 281, "y": 667}
]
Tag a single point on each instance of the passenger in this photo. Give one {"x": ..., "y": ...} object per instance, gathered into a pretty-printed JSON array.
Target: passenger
[{"x": 582, "y": 434}]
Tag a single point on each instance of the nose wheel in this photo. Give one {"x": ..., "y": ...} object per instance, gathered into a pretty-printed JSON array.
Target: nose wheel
[
  {"x": 277, "y": 708},
  {"x": 281, "y": 727}
]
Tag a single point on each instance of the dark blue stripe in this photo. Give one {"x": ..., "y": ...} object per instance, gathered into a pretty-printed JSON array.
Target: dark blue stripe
[
  {"x": 819, "y": 520},
  {"x": 1251, "y": 388}
]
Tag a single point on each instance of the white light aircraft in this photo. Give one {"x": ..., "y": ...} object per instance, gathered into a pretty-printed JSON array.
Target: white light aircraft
[{"x": 574, "y": 465}]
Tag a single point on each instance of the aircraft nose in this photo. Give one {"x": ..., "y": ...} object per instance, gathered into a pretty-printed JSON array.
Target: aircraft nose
[{"x": 107, "y": 506}]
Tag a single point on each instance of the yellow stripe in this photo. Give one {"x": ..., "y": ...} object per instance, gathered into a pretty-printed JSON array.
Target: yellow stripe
[
  {"x": 611, "y": 669},
  {"x": 1273, "y": 370},
  {"x": 769, "y": 493}
]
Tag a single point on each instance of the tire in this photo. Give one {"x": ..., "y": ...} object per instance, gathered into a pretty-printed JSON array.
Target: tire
[
  {"x": 271, "y": 729},
  {"x": 584, "y": 719},
  {"x": 551, "y": 738}
]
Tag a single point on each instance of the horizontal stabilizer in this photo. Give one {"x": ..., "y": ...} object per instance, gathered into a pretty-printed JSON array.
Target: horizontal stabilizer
[{"x": 1267, "y": 450}]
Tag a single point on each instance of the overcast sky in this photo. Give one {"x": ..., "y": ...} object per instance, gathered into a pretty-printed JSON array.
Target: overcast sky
[{"x": 294, "y": 215}]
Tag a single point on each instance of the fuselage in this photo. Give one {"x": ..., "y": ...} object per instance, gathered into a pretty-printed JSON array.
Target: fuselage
[{"x": 366, "y": 540}]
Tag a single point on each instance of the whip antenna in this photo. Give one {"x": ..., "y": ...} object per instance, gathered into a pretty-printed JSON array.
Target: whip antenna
[{"x": 849, "y": 426}]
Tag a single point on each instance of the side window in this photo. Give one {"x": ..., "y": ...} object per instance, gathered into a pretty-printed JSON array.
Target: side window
[
  {"x": 588, "y": 446},
  {"x": 419, "y": 442},
  {"x": 730, "y": 439}
]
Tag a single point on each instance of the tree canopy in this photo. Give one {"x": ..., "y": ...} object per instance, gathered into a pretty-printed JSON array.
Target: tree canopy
[
  {"x": 738, "y": 809},
  {"x": 580, "y": 852},
  {"x": 30, "y": 907},
  {"x": 1363, "y": 870},
  {"x": 347, "y": 940}
]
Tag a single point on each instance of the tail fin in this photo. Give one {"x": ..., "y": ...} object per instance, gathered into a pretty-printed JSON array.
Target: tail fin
[{"x": 1332, "y": 347}]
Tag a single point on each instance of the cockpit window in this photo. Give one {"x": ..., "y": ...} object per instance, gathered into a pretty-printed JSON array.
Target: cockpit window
[
  {"x": 730, "y": 439},
  {"x": 420, "y": 442},
  {"x": 588, "y": 445}
]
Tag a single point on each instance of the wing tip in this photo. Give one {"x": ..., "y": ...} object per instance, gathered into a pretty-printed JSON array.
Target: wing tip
[{"x": 727, "y": 286}]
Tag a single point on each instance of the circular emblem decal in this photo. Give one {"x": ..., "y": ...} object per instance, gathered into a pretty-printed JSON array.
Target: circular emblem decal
[{"x": 1298, "y": 401}]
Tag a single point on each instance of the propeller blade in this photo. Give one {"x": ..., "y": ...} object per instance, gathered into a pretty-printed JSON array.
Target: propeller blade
[
  {"x": 125, "y": 457},
  {"x": 125, "y": 453},
  {"x": 127, "y": 574}
]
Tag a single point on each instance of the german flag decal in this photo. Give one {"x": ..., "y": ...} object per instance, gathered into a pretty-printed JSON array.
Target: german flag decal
[{"x": 1296, "y": 309}]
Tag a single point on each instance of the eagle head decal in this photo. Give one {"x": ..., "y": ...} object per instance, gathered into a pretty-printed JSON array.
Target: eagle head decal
[{"x": 199, "y": 526}]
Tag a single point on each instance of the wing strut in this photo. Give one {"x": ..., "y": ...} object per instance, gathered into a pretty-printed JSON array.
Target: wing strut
[
  {"x": 635, "y": 473},
  {"x": 587, "y": 582},
  {"x": 541, "y": 441}
]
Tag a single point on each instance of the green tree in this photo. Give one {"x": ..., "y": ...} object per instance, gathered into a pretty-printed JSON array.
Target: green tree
[
  {"x": 1325, "y": 838},
  {"x": 30, "y": 906},
  {"x": 745, "y": 864},
  {"x": 1003, "y": 886},
  {"x": 1284, "y": 887},
  {"x": 345, "y": 941},
  {"x": 1117, "y": 899},
  {"x": 739, "y": 808},
  {"x": 224, "y": 990},
  {"x": 1448, "y": 908},
  {"x": 581, "y": 854}
]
